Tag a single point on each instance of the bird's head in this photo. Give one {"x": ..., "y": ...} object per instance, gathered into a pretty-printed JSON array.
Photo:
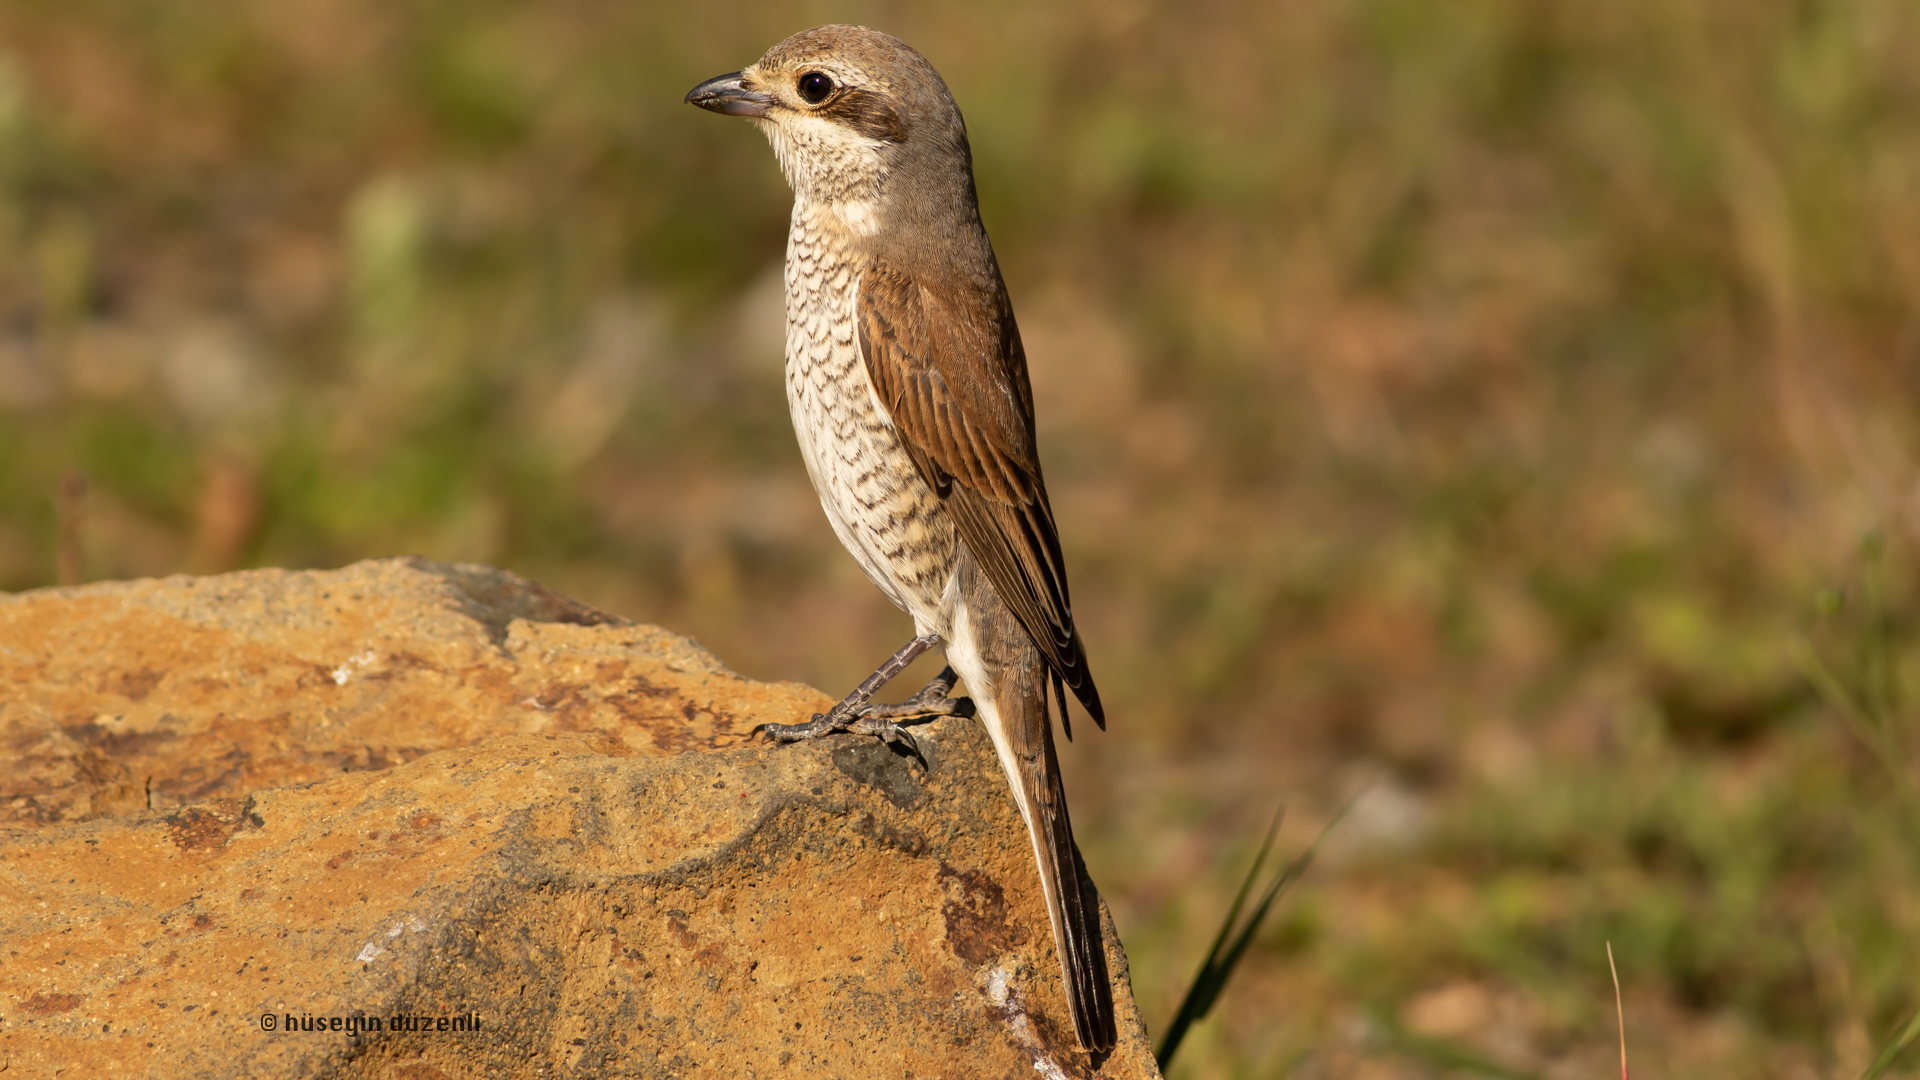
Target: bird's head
[{"x": 857, "y": 118}]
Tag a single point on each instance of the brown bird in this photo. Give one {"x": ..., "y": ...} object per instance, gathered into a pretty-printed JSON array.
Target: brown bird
[{"x": 909, "y": 392}]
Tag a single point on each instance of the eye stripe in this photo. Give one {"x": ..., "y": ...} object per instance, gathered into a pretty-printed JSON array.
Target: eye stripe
[{"x": 868, "y": 113}]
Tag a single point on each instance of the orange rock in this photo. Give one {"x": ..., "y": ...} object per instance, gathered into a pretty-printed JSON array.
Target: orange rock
[{"x": 440, "y": 821}]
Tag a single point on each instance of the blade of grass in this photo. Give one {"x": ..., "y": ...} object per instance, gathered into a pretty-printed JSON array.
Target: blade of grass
[
  {"x": 1205, "y": 988},
  {"x": 1619, "y": 1010},
  {"x": 1899, "y": 1044},
  {"x": 1225, "y": 955}
]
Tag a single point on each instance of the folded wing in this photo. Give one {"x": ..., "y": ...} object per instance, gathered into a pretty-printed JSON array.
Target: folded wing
[{"x": 949, "y": 369}]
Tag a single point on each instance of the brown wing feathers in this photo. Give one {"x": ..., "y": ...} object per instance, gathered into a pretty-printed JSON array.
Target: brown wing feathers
[{"x": 949, "y": 372}]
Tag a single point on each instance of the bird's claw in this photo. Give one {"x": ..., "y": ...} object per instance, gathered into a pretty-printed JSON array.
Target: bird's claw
[
  {"x": 852, "y": 721},
  {"x": 894, "y": 735},
  {"x": 825, "y": 723},
  {"x": 919, "y": 707},
  {"x": 882, "y": 721}
]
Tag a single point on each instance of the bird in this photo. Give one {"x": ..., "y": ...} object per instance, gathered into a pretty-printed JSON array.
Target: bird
[{"x": 908, "y": 387}]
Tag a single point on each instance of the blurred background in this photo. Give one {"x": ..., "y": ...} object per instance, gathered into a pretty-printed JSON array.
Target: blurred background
[{"x": 1503, "y": 409}]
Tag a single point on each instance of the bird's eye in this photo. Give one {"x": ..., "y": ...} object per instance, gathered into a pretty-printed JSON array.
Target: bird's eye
[{"x": 815, "y": 87}]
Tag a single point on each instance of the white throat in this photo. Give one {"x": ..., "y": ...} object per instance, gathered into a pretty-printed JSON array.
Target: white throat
[{"x": 830, "y": 168}]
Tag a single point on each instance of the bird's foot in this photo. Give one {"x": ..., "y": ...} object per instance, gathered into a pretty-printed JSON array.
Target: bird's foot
[
  {"x": 927, "y": 703},
  {"x": 861, "y": 717},
  {"x": 884, "y": 721}
]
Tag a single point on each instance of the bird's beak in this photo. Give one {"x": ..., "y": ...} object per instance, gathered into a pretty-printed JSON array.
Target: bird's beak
[{"x": 729, "y": 94}]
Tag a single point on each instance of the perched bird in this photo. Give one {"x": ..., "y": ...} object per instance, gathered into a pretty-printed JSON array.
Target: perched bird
[{"x": 909, "y": 392}]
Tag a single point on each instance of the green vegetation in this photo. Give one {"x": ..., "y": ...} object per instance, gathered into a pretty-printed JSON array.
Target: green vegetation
[{"x": 1506, "y": 407}]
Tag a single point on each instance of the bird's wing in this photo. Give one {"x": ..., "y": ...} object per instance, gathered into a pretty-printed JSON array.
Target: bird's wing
[{"x": 949, "y": 369}]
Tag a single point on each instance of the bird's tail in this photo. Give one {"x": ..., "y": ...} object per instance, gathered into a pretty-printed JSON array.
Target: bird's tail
[{"x": 1008, "y": 682}]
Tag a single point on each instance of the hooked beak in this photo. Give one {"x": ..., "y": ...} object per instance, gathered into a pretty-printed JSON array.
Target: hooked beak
[{"x": 728, "y": 94}]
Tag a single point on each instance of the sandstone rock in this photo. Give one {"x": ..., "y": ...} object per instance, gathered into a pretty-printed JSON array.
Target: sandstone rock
[{"x": 523, "y": 836}]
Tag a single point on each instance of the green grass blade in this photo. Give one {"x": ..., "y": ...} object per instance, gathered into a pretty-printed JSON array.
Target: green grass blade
[
  {"x": 1207, "y": 981},
  {"x": 1224, "y": 957},
  {"x": 1899, "y": 1044}
]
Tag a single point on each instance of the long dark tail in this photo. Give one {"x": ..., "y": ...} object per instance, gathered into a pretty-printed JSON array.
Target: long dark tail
[
  {"x": 1071, "y": 901},
  {"x": 1008, "y": 681}
]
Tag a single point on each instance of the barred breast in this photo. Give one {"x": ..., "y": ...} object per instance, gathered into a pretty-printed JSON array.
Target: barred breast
[{"x": 882, "y": 511}]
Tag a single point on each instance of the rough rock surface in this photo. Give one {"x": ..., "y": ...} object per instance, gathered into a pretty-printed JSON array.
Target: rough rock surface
[{"x": 527, "y": 838}]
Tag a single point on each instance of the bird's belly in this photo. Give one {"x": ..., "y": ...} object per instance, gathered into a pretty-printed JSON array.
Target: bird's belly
[{"x": 881, "y": 509}]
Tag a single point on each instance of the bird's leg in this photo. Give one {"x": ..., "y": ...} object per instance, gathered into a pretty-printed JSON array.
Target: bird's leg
[
  {"x": 841, "y": 716},
  {"x": 929, "y": 701},
  {"x": 856, "y": 714}
]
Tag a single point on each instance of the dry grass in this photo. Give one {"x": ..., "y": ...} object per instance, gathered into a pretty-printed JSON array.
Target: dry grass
[{"x": 1468, "y": 400}]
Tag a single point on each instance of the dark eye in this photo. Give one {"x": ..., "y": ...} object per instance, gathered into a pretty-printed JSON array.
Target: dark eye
[{"x": 815, "y": 87}]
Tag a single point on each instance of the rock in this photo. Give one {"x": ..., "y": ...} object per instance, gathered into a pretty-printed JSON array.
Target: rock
[{"x": 501, "y": 833}]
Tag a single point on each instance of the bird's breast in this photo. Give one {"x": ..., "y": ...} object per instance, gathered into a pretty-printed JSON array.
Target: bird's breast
[{"x": 880, "y": 507}]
